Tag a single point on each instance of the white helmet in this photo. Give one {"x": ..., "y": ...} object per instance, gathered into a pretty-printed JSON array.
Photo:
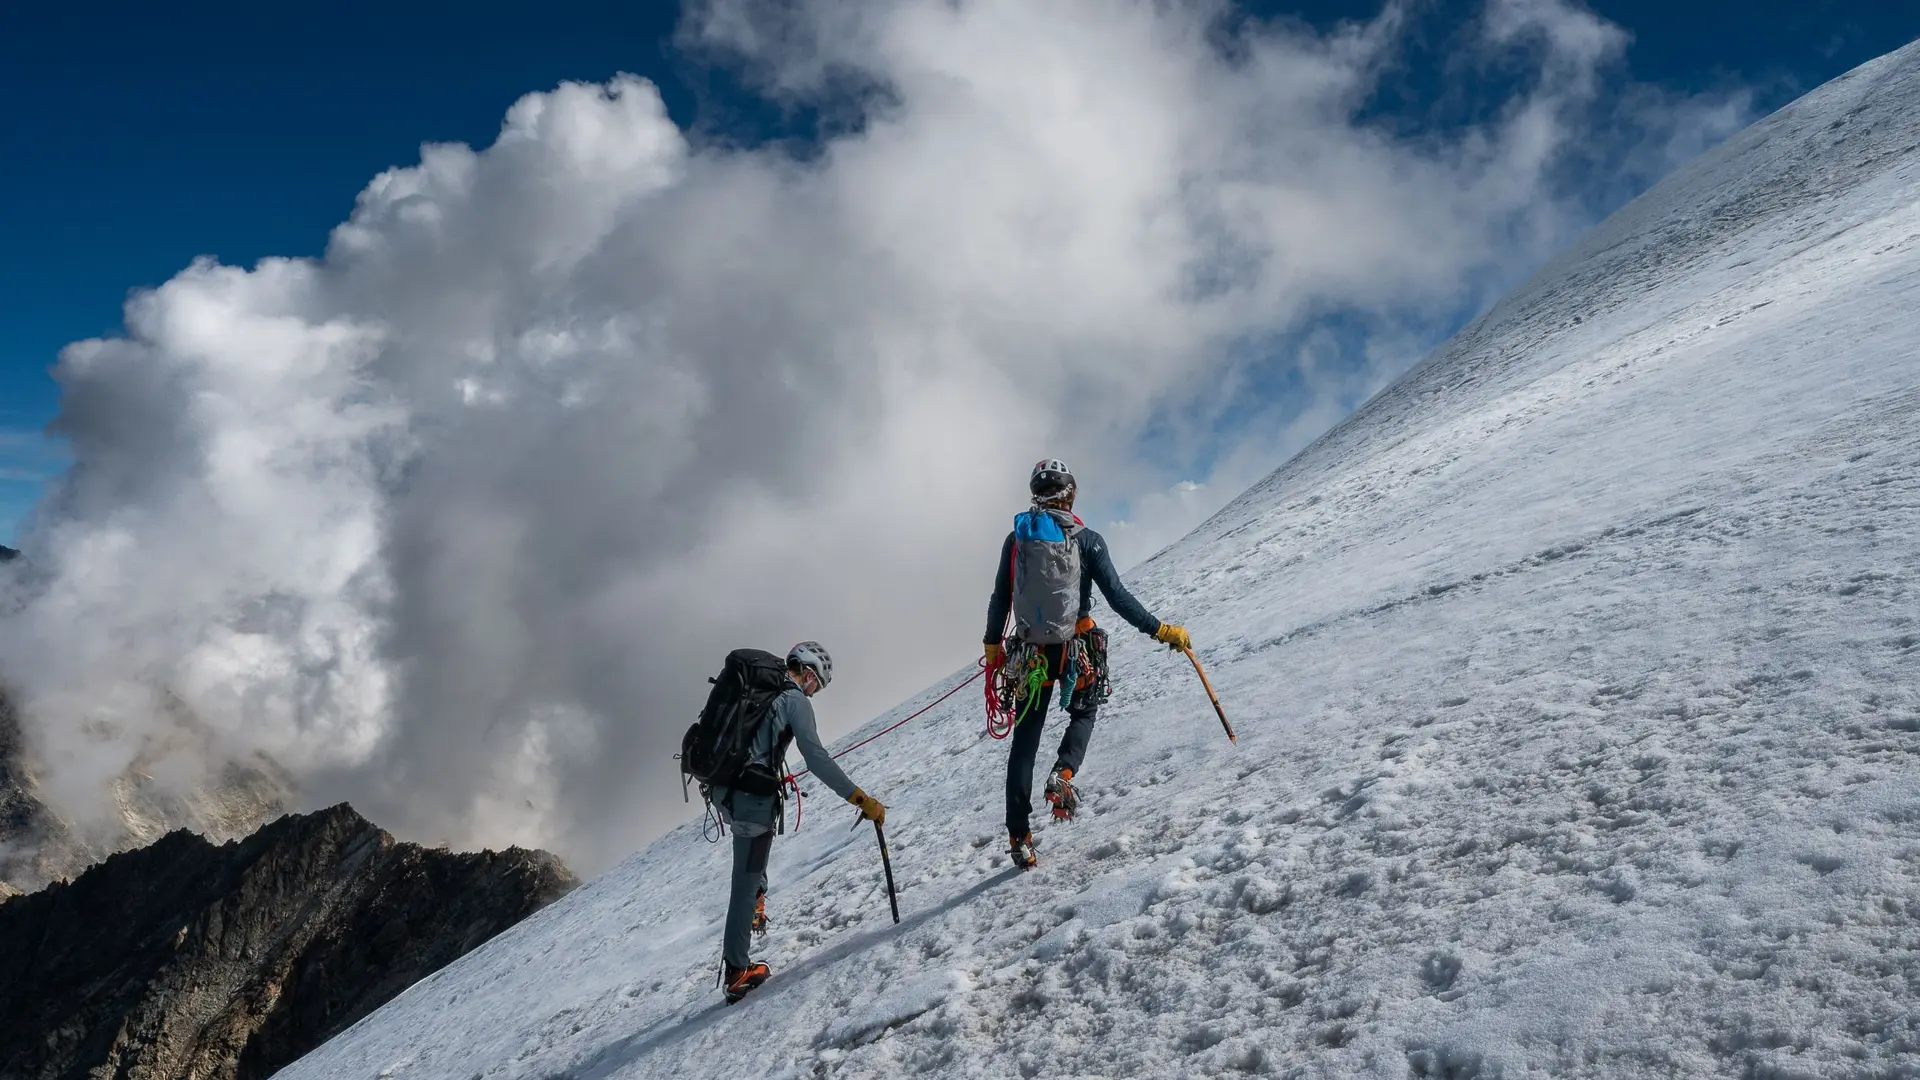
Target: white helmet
[
  {"x": 813, "y": 656},
  {"x": 1051, "y": 480}
]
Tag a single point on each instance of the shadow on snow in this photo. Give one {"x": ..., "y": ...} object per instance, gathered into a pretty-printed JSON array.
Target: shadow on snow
[{"x": 623, "y": 1052}]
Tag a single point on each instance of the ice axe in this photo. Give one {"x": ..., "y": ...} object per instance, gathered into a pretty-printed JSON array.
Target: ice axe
[
  {"x": 887, "y": 865},
  {"x": 1211, "y": 696}
]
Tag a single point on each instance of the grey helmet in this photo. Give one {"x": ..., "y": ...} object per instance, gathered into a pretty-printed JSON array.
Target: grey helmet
[
  {"x": 813, "y": 656},
  {"x": 1050, "y": 480}
]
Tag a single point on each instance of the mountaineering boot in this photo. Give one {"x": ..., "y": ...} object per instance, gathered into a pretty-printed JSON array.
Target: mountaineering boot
[
  {"x": 760, "y": 913},
  {"x": 740, "y": 981},
  {"x": 1020, "y": 849},
  {"x": 1060, "y": 794}
]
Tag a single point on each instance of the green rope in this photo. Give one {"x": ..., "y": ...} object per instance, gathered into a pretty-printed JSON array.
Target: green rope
[{"x": 1036, "y": 681}]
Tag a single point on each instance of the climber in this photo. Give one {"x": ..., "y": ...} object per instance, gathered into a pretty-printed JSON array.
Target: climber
[
  {"x": 1048, "y": 567},
  {"x": 759, "y": 707}
]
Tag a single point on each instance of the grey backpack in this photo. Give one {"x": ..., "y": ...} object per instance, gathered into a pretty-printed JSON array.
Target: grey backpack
[{"x": 1046, "y": 575}]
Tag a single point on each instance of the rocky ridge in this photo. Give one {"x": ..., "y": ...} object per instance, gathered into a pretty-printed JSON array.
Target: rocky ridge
[{"x": 226, "y": 962}]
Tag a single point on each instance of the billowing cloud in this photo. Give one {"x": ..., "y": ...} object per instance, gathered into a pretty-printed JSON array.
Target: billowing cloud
[{"x": 455, "y": 520}]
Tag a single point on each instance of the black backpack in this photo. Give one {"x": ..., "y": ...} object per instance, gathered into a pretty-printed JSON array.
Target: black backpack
[{"x": 714, "y": 750}]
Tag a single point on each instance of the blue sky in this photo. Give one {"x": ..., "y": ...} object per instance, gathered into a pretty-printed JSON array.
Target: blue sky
[{"x": 141, "y": 138}]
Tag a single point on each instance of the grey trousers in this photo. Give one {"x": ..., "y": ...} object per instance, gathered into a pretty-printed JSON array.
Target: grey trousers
[{"x": 749, "y": 881}]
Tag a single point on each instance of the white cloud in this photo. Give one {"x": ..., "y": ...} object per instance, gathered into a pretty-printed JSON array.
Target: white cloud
[{"x": 455, "y": 521}]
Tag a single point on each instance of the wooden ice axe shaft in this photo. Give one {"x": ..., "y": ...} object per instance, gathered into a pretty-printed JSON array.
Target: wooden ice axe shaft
[{"x": 1211, "y": 696}]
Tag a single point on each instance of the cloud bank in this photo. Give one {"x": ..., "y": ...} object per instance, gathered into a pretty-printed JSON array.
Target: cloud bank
[{"x": 455, "y": 520}]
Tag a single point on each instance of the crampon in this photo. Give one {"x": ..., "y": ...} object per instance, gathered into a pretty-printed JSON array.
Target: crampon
[
  {"x": 1060, "y": 795},
  {"x": 1020, "y": 849}
]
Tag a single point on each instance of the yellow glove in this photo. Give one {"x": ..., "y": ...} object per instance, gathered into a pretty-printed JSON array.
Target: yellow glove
[
  {"x": 870, "y": 807},
  {"x": 1175, "y": 636},
  {"x": 995, "y": 653}
]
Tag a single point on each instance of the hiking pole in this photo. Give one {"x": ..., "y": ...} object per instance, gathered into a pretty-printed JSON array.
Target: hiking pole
[
  {"x": 1211, "y": 696},
  {"x": 887, "y": 864}
]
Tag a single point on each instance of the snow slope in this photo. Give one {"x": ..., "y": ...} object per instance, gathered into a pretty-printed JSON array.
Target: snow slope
[{"x": 1578, "y": 680}]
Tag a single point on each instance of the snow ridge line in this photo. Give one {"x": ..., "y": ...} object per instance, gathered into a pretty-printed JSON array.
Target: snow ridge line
[{"x": 1571, "y": 549}]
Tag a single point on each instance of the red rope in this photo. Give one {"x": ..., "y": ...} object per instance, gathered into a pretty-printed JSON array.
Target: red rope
[
  {"x": 1000, "y": 716},
  {"x": 792, "y": 778},
  {"x": 999, "y": 713}
]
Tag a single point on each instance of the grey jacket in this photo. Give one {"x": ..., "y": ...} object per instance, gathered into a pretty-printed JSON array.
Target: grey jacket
[
  {"x": 751, "y": 815},
  {"x": 1096, "y": 568}
]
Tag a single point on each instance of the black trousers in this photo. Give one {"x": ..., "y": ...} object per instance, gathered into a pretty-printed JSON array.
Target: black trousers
[{"x": 1026, "y": 747}]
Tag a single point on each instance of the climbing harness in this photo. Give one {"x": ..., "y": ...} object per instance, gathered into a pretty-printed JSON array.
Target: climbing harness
[{"x": 1014, "y": 684}]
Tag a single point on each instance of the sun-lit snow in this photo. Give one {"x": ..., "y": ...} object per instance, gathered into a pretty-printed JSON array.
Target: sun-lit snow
[{"x": 1578, "y": 685}]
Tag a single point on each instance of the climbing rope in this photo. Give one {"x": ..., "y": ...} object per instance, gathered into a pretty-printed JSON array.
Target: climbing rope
[
  {"x": 999, "y": 712},
  {"x": 792, "y": 780}
]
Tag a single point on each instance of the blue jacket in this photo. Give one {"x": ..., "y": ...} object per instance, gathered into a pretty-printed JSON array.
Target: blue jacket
[{"x": 1096, "y": 568}]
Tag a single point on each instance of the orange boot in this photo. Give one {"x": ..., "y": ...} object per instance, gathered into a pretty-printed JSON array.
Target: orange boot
[
  {"x": 739, "y": 981},
  {"x": 1020, "y": 849}
]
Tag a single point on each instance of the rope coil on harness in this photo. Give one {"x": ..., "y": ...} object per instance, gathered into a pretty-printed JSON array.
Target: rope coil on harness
[
  {"x": 999, "y": 710},
  {"x": 1014, "y": 688},
  {"x": 1036, "y": 681},
  {"x": 713, "y": 827}
]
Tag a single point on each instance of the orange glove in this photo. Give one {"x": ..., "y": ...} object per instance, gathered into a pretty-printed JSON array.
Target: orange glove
[
  {"x": 1085, "y": 624},
  {"x": 870, "y": 807},
  {"x": 1173, "y": 636}
]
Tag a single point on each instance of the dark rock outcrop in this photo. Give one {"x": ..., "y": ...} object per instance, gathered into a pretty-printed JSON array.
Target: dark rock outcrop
[
  {"x": 34, "y": 845},
  {"x": 7, "y": 553},
  {"x": 183, "y": 959}
]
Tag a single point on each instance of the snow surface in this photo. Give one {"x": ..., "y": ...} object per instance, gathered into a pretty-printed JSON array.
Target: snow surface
[{"x": 1578, "y": 683}]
